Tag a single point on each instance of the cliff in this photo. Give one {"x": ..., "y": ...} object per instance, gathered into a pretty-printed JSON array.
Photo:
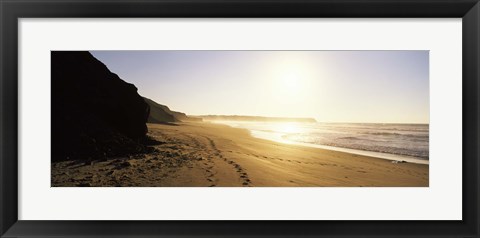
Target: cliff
[
  {"x": 94, "y": 112},
  {"x": 160, "y": 114}
]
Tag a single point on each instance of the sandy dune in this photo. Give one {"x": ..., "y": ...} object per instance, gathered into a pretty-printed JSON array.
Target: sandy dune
[{"x": 212, "y": 155}]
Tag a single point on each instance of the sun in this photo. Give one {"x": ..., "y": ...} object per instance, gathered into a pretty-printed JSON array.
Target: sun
[{"x": 291, "y": 80}]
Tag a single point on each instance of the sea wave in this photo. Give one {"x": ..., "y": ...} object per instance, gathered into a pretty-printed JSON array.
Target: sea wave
[{"x": 410, "y": 140}]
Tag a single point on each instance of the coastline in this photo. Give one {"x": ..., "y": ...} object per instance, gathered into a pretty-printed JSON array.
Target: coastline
[
  {"x": 201, "y": 154},
  {"x": 380, "y": 155}
]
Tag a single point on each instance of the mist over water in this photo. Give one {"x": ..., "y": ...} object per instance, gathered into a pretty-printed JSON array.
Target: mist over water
[{"x": 411, "y": 140}]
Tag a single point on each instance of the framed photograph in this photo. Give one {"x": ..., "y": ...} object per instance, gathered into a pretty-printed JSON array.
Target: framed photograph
[{"x": 239, "y": 118}]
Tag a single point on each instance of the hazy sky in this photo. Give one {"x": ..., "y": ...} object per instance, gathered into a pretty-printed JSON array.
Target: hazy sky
[{"x": 330, "y": 86}]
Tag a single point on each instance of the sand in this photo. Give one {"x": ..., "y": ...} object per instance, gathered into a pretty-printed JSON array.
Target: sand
[{"x": 201, "y": 154}]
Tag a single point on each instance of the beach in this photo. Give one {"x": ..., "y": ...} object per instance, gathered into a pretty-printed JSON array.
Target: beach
[{"x": 202, "y": 154}]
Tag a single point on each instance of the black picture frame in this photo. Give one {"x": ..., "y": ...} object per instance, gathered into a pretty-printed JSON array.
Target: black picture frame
[{"x": 12, "y": 10}]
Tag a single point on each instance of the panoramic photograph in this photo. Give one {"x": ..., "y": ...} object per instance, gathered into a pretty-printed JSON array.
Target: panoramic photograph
[{"x": 204, "y": 118}]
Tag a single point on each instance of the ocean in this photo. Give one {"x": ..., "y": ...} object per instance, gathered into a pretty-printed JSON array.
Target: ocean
[{"x": 408, "y": 142}]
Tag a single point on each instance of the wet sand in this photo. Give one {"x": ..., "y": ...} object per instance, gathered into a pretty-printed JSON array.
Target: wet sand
[{"x": 200, "y": 154}]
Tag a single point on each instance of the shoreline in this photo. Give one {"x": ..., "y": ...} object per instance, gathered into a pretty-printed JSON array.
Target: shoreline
[
  {"x": 200, "y": 154},
  {"x": 380, "y": 155}
]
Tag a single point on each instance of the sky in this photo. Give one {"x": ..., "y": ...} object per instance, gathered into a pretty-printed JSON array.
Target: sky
[{"x": 330, "y": 86}]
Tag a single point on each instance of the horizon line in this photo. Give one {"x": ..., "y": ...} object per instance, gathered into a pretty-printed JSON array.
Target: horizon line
[{"x": 316, "y": 120}]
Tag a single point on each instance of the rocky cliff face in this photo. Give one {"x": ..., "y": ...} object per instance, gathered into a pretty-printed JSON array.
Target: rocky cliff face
[
  {"x": 94, "y": 112},
  {"x": 160, "y": 114}
]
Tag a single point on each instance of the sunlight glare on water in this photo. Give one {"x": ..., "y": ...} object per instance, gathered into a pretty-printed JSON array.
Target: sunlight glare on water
[{"x": 287, "y": 128}]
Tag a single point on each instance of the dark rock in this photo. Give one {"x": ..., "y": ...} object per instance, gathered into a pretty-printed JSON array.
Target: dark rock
[
  {"x": 94, "y": 112},
  {"x": 147, "y": 140},
  {"x": 124, "y": 164},
  {"x": 115, "y": 161}
]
